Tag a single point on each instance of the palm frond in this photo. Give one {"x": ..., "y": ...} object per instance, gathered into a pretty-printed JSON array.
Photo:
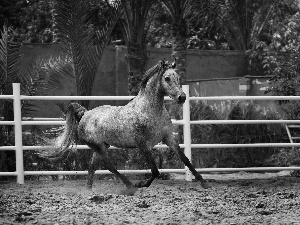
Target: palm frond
[
  {"x": 73, "y": 19},
  {"x": 9, "y": 62},
  {"x": 33, "y": 83},
  {"x": 58, "y": 69},
  {"x": 170, "y": 6},
  {"x": 134, "y": 18},
  {"x": 242, "y": 20},
  {"x": 9, "y": 71}
]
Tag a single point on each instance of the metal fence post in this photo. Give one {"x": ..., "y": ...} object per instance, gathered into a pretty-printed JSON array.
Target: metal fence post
[
  {"x": 18, "y": 133},
  {"x": 187, "y": 130}
]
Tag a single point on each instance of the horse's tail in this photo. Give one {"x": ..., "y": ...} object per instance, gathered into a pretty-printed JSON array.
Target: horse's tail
[{"x": 61, "y": 149}]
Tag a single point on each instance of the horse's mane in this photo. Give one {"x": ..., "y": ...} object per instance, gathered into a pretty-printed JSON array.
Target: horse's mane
[{"x": 153, "y": 70}]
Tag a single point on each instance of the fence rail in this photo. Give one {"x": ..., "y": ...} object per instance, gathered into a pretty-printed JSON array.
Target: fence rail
[{"x": 186, "y": 122}]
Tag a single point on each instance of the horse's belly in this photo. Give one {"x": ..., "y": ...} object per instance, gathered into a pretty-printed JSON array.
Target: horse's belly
[
  {"x": 112, "y": 133},
  {"x": 123, "y": 138}
]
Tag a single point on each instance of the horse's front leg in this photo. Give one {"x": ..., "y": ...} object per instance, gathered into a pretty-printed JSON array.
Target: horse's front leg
[
  {"x": 146, "y": 152},
  {"x": 169, "y": 140}
]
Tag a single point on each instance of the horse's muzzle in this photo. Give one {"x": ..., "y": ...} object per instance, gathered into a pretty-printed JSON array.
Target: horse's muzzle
[{"x": 181, "y": 98}]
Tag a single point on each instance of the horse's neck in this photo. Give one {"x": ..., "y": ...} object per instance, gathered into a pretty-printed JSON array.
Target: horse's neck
[{"x": 152, "y": 97}]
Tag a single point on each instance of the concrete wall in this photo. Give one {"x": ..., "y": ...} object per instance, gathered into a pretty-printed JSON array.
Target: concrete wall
[
  {"x": 235, "y": 86},
  {"x": 238, "y": 86},
  {"x": 112, "y": 73},
  {"x": 216, "y": 64},
  {"x": 215, "y": 87}
]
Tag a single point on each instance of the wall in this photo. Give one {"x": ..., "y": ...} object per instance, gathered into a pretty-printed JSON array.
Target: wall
[
  {"x": 216, "y": 64},
  {"x": 215, "y": 87},
  {"x": 237, "y": 86},
  {"x": 234, "y": 86}
]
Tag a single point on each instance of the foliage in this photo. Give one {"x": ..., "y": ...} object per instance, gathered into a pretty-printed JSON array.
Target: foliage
[
  {"x": 31, "y": 20},
  {"x": 284, "y": 68},
  {"x": 285, "y": 157},
  {"x": 134, "y": 24},
  {"x": 280, "y": 59},
  {"x": 9, "y": 73},
  {"x": 84, "y": 45},
  {"x": 180, "y": 12},
  {"x": 279, "y": 35},
  {"x": 9, "y": 62},
  {"x": 250, "y": 133},
  {"x": 242, "y": 21},
  {"x": 31, "y": 84},
  {"x": 9, "y": 12},
  {"x": 233, "y": 133},
  {"x": 213, "y": 24},
  {"x": 201, "y": 30},
  {"x": 218, "y": 24},
  {"x": 159, "y": 34}
]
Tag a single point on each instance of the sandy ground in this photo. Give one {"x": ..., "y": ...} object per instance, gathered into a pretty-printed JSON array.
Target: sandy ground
[{"x": 238, "y": 198}]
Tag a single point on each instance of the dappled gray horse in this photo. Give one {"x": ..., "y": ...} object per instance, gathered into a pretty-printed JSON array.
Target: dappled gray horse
[{"x": 142, "y": 123}]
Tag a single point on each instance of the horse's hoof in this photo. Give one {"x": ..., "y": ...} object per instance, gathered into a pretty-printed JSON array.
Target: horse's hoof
[
  {"x": 139, "y": 184},
  {"x": 205, "y": 185},
  {"x": 129, "y": 191}
]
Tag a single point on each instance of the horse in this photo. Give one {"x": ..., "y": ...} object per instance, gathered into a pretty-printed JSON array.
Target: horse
[{"x": 142, "y": 123}]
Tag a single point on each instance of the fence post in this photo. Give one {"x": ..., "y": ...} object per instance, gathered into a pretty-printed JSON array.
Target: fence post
[
  {"x": 18, "y": 133},
  {"x": 187, "y": 130}
]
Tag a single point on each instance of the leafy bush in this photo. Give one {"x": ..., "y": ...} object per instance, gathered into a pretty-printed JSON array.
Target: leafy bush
[
  {"x": 250, "y": 133},
  {"x": 281, "y": 62},
  {"x": 233, "y": 133},
  {"x": 285, "y": 157}
]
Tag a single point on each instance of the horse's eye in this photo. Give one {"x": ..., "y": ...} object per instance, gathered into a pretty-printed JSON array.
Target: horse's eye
[{"x": 167, "y": 79}]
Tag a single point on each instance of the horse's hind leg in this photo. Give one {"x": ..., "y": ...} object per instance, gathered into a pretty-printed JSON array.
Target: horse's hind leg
[
  {"x": 101, "y": 154},
  {"x": 92, "y": 168},
  {"x": 173, "y": 144},
  {"x": 149, "y": 159}
]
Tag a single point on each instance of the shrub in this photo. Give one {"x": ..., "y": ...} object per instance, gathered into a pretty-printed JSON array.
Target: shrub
[
  {"x": 251, "y": 133},
  {"x": 285, "y": 157},
  {"x": 233, "y": 133}
]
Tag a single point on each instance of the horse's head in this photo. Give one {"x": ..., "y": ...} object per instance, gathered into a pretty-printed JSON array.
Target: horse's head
[
  {"x": 164, "y": 73},
  {"x": 170, "y": 82}
]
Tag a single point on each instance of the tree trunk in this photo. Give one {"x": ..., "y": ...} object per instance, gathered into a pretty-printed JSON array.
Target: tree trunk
[
  {"x": 136, "y": 61},
  {"x": 179, "y": 52},
  {"x": 179, "y": 49}
]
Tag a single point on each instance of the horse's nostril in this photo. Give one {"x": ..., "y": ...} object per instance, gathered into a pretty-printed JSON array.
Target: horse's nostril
[{"x": 182, "y": 98}]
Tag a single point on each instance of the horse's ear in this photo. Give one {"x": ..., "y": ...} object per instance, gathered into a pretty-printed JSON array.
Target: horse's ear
[
  {"x": 164, "y": 63},
  {"x": 173, "y": 65}
]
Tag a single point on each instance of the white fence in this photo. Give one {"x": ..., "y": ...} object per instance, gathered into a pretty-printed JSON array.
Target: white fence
[{"x": 187, "y": 145}]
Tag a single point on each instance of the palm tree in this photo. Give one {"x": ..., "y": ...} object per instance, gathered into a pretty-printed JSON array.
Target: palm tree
[
  {"x": 9, "y": 73},
  {"x": 9, "y": 69},
  {"x": 243, "y": 20},
  {"x": 84, "y": 45},
  {"x": 32, "y": 83},
  {"x": 180, "y": 11},
  {"x": 135, "y": 23}
]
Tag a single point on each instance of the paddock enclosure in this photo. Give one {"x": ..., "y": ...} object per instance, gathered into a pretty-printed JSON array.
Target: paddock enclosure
[
  {"x": 185, "y": 122},
  {"x": 256, "y": 195}
]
